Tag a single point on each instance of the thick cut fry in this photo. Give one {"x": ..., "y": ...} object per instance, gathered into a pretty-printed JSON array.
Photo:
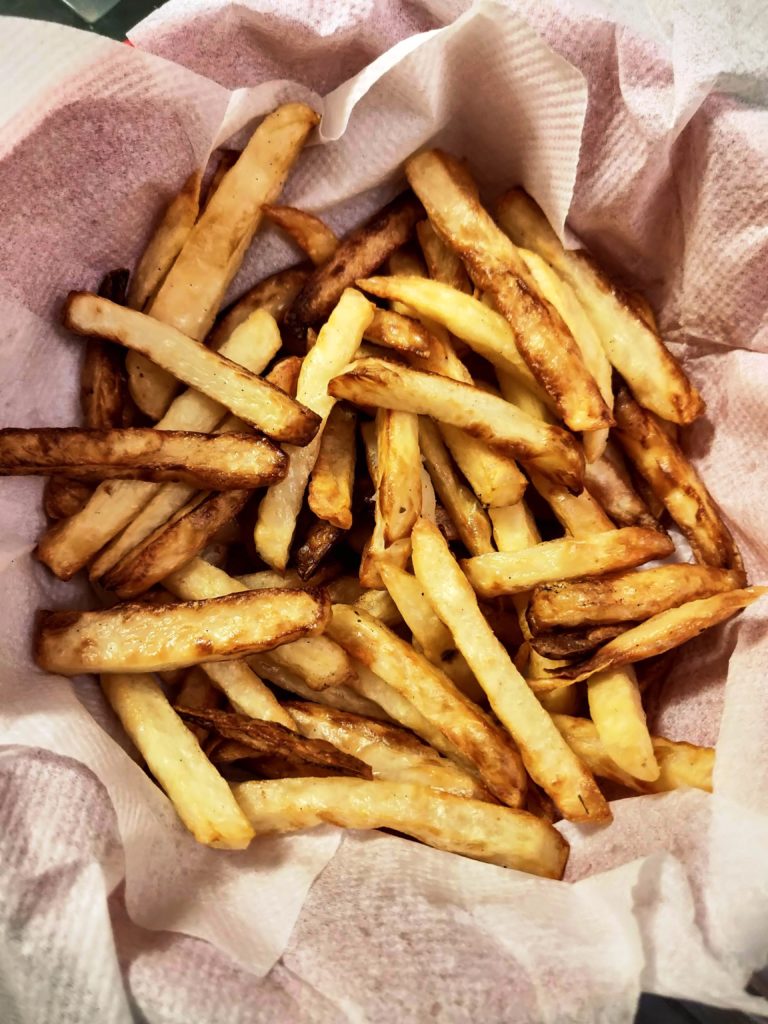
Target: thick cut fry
[
  {"x": 336, "y": 344},
  {"x": 285, "y": 374},
  {"x": 627, "y": 597},
  {"x": 548, "y": 760},
  {"x": 499, "y": 835},
  {"x": 608, "y": 481},
  {"x": 166, "y": 242},
  {"x": 656, "y": 378},
  {"x": 196, "y": 691},
  {"x": 244, "y": 691},
  {"x": 435, "y": 696},
  {"x": 617, "y": 711},
  {"x": 430, "y": 636},
  {"x": 308, "y": 232},
  {"x": 402, "y": 333},
  {"x": 173, "y": 544},
  {"x": 494, "y": 264},
  {"x": 273, "y": 295},
  {"x": 465, "y": 511},
  {"x": 394, "y": 754},
  {"x": 258, "y": 403},
  {"x": 499, "y": 424},
  {"x": 195, "y": 285},
  {"x": 570, "y": 644},
  {"x": 579, "y": 514},
  {"x": 63, "y": 497},
  {"x": 333, "y": 475},
  {"x": 514, "y": 528},
  {"x": 201, "y": 797},
  {"x": 268, "y": 579},
  {"x": 504, "y": 572},
  {"x": 268, "y": 738},
  {"x": 680, "y": 764},
  {"x": 442, "y": 262},
  {"x": 674, "y": 480},
  {"x": 399, "y": 464},
  {"x": 357, "y": 254},
  {"x": 379, "y": 604},
  {"x": 342, "y": 697},
  {"x": 658, "y": 634},
  {"x": 142, "y": 453},
  {"x": 320, "y": 540},
  {"x": 143, "y": 637},
  {"x": 375, "y": 549},
  {"x": 225, "y": 160}
]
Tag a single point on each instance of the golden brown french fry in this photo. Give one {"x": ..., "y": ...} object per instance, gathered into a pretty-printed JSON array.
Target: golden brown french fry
[
  {"x": 336, "y": 344},
  {"x": 308, "y": 232},
  {"x": 342, "y": 697},
  {"x": 608, "y": 481},
  {"x": 190, "y": 296},
  {"x": 466, "y": 512},
  {"x": 433, "y": 694},
  {"x": 258, "y": 403},
  {"x": 430, "y": 636},
  {"x": 674, "y": 480},
  {"x": 201, "y": 797},
  {"x": 225, "y": 160},
  {"x": 375, "y": 549},
  {"x": 617, "y": 711},
  {"x": 225, "y": 461},
  {"x": 402, "y": 333},
  {"x": 63, "y": 497},
  {"x": 143, "y": 637},
  {"x": 333, "y": 475},
  {"x": 681, "y": 764},
  {"x": 273, "y": 295},
  {"x": 656, "y": 378},
  {"x": 394, "y": 754},
  {"x": 442, "y": 262},
  {"x": 504, "y": 572},
  {"x": 579, "y": 514},
  {"x": 285, "y": 374},
  {"x": 499, "y": 835},
  {"x": 399, "y": 468},
  {"x": 502, "y": 426},
  {"x": 548, "y": 760},
  {"x": 173, "y": 544},
  {"x": 626, "y": 597},
  {"x": 166, "y": 242},
  {"x": 658, "y": 634},
  {"x": 320, "y": 540},
  {"x": 360, "y": 252},
  {"x": 494, "y": 264}
]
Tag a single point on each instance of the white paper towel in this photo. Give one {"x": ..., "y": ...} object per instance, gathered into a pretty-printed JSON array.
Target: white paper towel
[{"x": 673, "y": 897}]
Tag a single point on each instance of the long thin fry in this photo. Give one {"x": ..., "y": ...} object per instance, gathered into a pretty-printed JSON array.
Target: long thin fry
[
  {"x": 580, "y": 514},
  {"x": 342, "y": 697},
  {"x": 399, "y": 462},
  {"x": 442, "y": 262},
  {"x": 608, "y": 481},
  {"x": 244, "y": 691}
]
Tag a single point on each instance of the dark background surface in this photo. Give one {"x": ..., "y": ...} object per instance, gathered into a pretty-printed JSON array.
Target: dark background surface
[{"x": 115, "y": 23}]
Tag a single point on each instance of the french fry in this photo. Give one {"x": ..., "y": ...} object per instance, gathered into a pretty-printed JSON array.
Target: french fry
[
  {"x": 579, "y": 514},
  {"x": 466, "y": 512},
  {"x": 626, "y": 597},
  {"x": 269, "y": 579},
  {"x": 379, "y": 604},
  {"x": 342, "y": 697},
  {"x": 681, "y": 764},
  {"x": 394, "y": 754},
  {"x": 333, "y": 475},
  {"x": 226, "y": 159},
  {"x": 63, "y": 497},
  {"x": 430, "y": 636},
  {"x": 258, "y": 403},
  {"x": 196, "y": 691},
  {"x": 656, "y": 378},
  {"x": 514, "y": 528},
  {"x": 104, "y": 398},
  {"x": 399, "y": 467},
  {"x": 273, "y": 295},
  {"x": 494, "y": 264},
  {"x": 608, "y": 481},
  {"x": 402, "y": 333},
  {"x": 308, "y": 232},
  {"x": 527, "y": 400},
  {"x": 166, "y": 242},
  {"x": 502, "y": 426},
  {"x": 320, "y": 540},
  {"x": 173, "y": 544},
  {"x": 244, "y": 691},
  {"x": 192, "y": 291},
  {"x": 498, "y": 835},
  {"x": 225, "y": 461},
  {"x": 442, "y": 262},
  {"x": 142, "y": 637},
  {"x": 616, "y": 709},
  {"x": 285, "y": 375},
  {"x": 504, "y": 572},
  {"x": 375, "y": 549},
  {"x": 658, "y": 634},
  {"x": 548, "y": 760},
  {"x": 674, "y": 480},
  {"x": 336, "y": 344},
  {"x": 570, "y": 644},
  {"x": 357, "y": 254},
  {"x": 433, "y": 694}
]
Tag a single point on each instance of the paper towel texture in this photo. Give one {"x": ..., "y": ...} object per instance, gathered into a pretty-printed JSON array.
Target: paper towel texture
[{"x": 654, "y": 133}]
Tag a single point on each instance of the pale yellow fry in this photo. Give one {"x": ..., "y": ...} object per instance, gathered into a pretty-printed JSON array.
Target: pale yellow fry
[
  {"x": 378, "y": 603},
  {"x": 201, "y": 797},
  {"x": 194, "y": 288},
  {"x": 466, "y": 512},
  {"x": 514, "y": 528},
  {"x": 430, "y": 636},
  {"x": 333, "y": 475},
  {"x": 656, "y": 378},
  {"x": 498, "y": 835},
  {"x": 516, "y": 392},
  {"x": 245, "y": 692},
  {"x": 617, "y": 711},
  {"x": 308, "y": 232},
  {"x": 342, "y": 697},
  {"x": 399, "y": 466},
  {"x": 268, "y": 579},
  {"x": 580, "y": 514},
  {"x": 336, "y": 345},
  {"x": 166, "y": 242},
  {"x": 548, "y": 760},
  {"x": 511, "y": 573}
]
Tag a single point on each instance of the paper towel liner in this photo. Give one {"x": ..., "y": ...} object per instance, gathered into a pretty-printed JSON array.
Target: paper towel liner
[{"x": 672, "y": 897}]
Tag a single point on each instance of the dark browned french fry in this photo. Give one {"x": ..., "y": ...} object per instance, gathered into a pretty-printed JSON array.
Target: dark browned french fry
[
  {"x": 63, "y": 497},
  {"x": 320, "y": 540},
  {"x": 275, "y": 294},
  {"x": 442, "y": 262},
  {"x": 575, "y": 642}
]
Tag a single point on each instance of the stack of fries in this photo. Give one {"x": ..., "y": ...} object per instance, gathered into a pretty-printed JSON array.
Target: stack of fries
[{"x": 410, "y": 481}]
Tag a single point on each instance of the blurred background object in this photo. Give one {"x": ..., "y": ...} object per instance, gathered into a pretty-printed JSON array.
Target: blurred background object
[{"x": 106, "y": 17}]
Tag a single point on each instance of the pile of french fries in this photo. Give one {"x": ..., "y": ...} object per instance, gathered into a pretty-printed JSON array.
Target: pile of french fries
[{"x": 366, "y": 546}]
